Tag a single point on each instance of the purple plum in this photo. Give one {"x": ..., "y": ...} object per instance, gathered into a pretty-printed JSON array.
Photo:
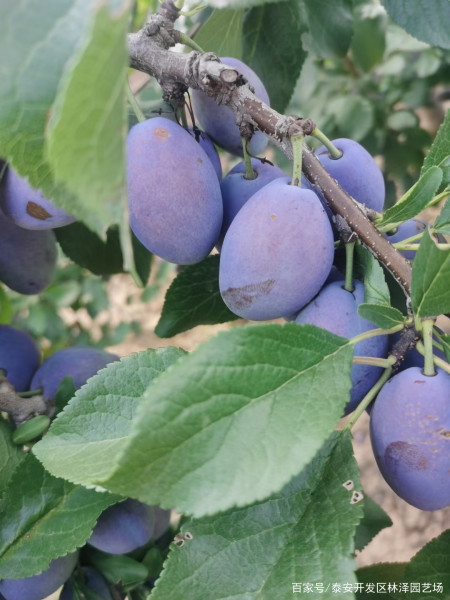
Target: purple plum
[
  {"x": 236, "y": 189},
  {"x": 410, "y": 434},
  {"x": 40, "y": 586},
  {"x": 208, "y": 146},
  {"x": 124, "y": 527},
  {"x": 92, "y": 581},
  {"x": 404, "y": 231},
  {"x": 27, "y": 258},
  {"x": 78, "y": 362},
  {"x": 271, "y": 264},
  {"x": 173, "y": 192},
  {"x": 356, "y": 172},
  {"x": 27, "y": 207},
  {"x": 19, "y": 357},
  {"x": 219, "y": 121},
  {"x": 336, "y": 310}
]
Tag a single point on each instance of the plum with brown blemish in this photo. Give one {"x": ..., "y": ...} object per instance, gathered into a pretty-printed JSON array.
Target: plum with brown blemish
[
  {"x": 277, "y": 253},
  {"x": 410, "y": 434},
  {"x": 28, "y": 207},
  {"x": 173, "y": 192},
  {"x": 27, "y": 258}
]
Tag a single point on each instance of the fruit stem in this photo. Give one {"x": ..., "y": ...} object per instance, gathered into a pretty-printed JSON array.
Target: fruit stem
[
  {"x": 135, "y": 106},
  {"x": 297, "y": 149},
  {"x": 30, "y": 393},
  {"x": 373, "y": 361},
  {"x": 182, "y": 114},
  {"x": 187, "y": 41},
  {"x": 439, "y": 362},
  {"x": 194, "y": 10},
  {"x": 413, "y": 238},
  {"x": 375, "y": 332},
  {"x": 427, "y": 333},
  {"x": 402, "y": 246},
  {"x": 249, "y": 171},
  {"x": 438, "y": 198},
  {"x": 349, "y": 253},
  {"x": 334, "y": 152},
  {"x": 371, "y": 394}
]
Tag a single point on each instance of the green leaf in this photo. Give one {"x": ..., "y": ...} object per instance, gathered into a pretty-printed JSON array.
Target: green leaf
[
  {"x": 376, "y": 290},
  {"x": 369, "y": 40},
  {"x": 194, "y": 299},
  {"x": 446, "y": 343},
  {"x": 399, "y": 120},
  {"x": 382, "y": 315},
  {"x": 240, "y": 4},
  {"x": 10, "y": 456},
  {"x": 373, "y": 521},
  {"x": 6, "y": 310},
  {"x": 66, "y": 391},
  {"x": 442, "y": 224},
  {"x": 427, "y": 575},
  {"x": 354, "y": 115},
  {"x": 93, "y": 429},
  {"x": 430, "y": 286},
  {"x": 90, "y": 112},
  {"x": 222, "y": 33},
  {"x": 273, "y": 48},
  {"x": 101, "y": 257},
  {"x": 440, "y": 149},
  {"x": 118, "y": 569},
  {"x": 38, "y": 512},
  {"x": 304, "y": 533},
  {"x": 330, "y": 31},
  {"x": 240, "y": 405},
  {"x": 381, "y": 574},
  {"x": 415, "y": 199},
  {"x": 35, "y": 46},
  {"x": 426, "y": 22}
]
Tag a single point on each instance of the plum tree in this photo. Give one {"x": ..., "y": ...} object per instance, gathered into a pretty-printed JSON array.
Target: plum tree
[
  {"x": 356, "y": 172},
  {"x": 237, "y": 189},
  {"x": 19, "y": 356},
  {"x": 27, "y": 258},
  {"x": 124, "y": 527},
  {"x": 40, "y": 586},
  {"x": 336, "y": 310},
  {"x": 78, "y": 362},
  {"x": 92, "y": 580},
  {"x": 219, "y": 122},
  {"x": 208, "y": 146},
  {"x": 173, "y": 191},
  {"x": 262, "y": 249},
  {"x": 410, "y": 434},
  {"x": 28, "y": 207}
]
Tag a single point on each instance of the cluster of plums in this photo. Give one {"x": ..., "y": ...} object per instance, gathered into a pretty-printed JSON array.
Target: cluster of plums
[
  {"x": 123, "y": 527},
  {"x": 276, "y": 245}
]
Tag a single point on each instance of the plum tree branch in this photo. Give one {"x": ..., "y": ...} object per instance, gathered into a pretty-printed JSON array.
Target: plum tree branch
[
  {"x": 149, "y": 51},
  {"x": 20, "y": 409}
]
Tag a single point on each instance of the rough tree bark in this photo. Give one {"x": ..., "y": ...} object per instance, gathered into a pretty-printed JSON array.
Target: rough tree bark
[{"x": 149, "y": 51}]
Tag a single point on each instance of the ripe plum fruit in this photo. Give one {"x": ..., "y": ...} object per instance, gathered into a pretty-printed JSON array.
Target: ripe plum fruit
[
  {"x": 219, "y": 121},
  {"x": 78, "y": 362},
  {"x": 173, "y": 192},
  {"x": 208, "y": 146},
  {"x": 19, "y": 357},
  {"x": 93, "y": 581},
  {"x": 336, "y": 310},
  {"x": 410, "y": 434},
  {"x": 276, "y": 254},
  {"x": 27, "y": 207},
  {"x": 404, "y": 231},
  {"x": 40, "y": 586},
  {"x": 124, "y": 527},
  {"x": 356, "y": 172},
  {"x": 236, "y": 189},
  {"x": 27, "y": 258}
]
